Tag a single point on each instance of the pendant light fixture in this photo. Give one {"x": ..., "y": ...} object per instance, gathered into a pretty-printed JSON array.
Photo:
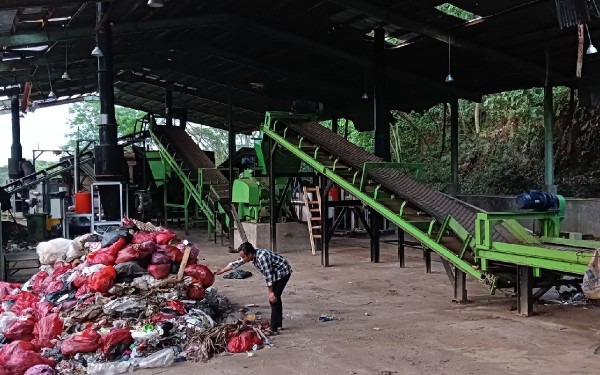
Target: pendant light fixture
[
  {"x": 51, "y": 94},
  {"x": 66, "y": 75},
  {"x": 449, "y": 78},
  {"x": 591, "y": 49},
  {"x": 155, "y": 3},
  {"x": 365, "y": 96}
]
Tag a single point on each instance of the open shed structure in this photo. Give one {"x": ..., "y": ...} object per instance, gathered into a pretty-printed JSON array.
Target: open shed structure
[{"x": 227, "y": 63}]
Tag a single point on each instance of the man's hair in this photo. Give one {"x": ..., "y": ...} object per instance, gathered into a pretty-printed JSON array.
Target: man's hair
[{"x": 247, "y": 248}]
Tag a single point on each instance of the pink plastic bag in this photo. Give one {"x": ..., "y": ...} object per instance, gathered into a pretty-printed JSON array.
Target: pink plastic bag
[
  {"x": 159, "y": 271},
  {"x": 47, "y": 329},
  {"x": 38, "y": 281},
  {"x": 21, "y": 329},
  {"x": 141, "y": 237},
  {"x": 85, "y": 342},
  {"x": 132, "y": 252},
  {"x": 163, "y": 238},
  {"x": 19, "y": 356}
]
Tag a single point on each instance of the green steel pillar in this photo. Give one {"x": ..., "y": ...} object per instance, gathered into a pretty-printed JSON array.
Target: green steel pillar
[
  {"x": 455, "y": 184},
  {"x": 548, "y": 140}
]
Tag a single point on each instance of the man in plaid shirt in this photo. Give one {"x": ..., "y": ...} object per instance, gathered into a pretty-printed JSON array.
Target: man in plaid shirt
[{"x": 275, "y": 269}]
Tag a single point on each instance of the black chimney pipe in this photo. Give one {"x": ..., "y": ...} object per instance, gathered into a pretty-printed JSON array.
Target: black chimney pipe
[
  {"x": 109, "y": 160},
  {"x": 16, "y": 151}
]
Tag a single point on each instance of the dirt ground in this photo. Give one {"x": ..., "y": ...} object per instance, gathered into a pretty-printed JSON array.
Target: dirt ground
[{"x": 397, "y": 321}]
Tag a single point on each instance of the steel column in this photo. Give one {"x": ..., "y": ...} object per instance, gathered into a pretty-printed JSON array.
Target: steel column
[
  {"x": 548, "y": 140},
  {"x": 524, "y": 290},
  {"x": 427, "y": 259},
  {"x": 454, "y": 146},
  {"x": 334, "y": 124},
  {"x": 380, "y": 115},
  {"x": 325, "y": 187},
  {"x": 16, "y": 151},
  {"x": 460, "y": 286},
  {"x": 169, "y": 107},
  {"x": 272, "y": 196},
  {"x": 231, "y": 151},
  {"x": 401, "y": 259}
]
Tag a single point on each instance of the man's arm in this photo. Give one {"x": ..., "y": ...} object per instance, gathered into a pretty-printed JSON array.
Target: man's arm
[{"x": 229, "y": 267}]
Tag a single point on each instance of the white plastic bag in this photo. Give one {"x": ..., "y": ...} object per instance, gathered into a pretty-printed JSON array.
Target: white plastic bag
[
  {"x": 163, "y": 358},
  {"x": 109, "y": 368},
  {"x": 53, "y": 250},
  {"x": 591, "y": 278}
]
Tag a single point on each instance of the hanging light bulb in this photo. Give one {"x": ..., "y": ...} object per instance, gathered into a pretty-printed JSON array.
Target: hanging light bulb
[
  {"x": 155, "y": 3},
  {"x": 66, "y": 75},
  {"x": 365, "y": 96},
  {"x": 449, "y": 78},
  {"x": 591, "y": 49},
  {"x": 51, "y": 94},
  {"x": 97, "y": 52}
]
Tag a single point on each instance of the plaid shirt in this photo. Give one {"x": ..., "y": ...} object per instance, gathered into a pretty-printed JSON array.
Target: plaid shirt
[{"x": 272, "y": 265}]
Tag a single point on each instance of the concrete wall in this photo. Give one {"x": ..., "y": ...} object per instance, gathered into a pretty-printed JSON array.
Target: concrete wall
[
  {"x": 582, "y": 215},
  {"x": 291, "y": 236}
]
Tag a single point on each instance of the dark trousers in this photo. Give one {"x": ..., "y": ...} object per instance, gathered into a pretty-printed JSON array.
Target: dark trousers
[{"x": 277, "y": 307}]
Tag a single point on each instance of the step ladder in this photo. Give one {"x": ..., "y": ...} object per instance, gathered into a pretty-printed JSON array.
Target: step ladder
[{"x": 313, "y": 211}]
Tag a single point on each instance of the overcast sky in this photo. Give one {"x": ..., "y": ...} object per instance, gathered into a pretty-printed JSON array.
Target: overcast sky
[{"x": 43, "y": 129}]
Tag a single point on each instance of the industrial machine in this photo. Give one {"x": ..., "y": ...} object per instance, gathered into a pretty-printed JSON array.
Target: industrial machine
[{"x": 251, "y": 194}]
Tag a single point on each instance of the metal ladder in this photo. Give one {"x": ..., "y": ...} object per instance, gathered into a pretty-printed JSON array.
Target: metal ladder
[{"x": 313, "y": 212}]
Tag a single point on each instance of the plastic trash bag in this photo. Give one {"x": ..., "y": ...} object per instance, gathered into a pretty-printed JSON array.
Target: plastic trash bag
[
  {"x": 129, "y": 269},
  {"x": 201, "y": 274},
  {"x": 194, "y": 252},
  {"x": 19, "y": 356},
  {"x": 141, "y": 237},
  {"x": 132, "y": 252},
  {"x": 47, "y": 329},
  {"x": 38, "y": 281},
  {"x": 159, "y": 271},
  {"x": 172, "y": 252},
  {"x": 196, "y": 292},
  {"x": 107, "y": 255},
  {"x": 162, "y": 358},
  {"x": 243, "y": 342},
  {"x": 53, "y": 250},
  {"x": 86, "y": 341},
  {"x": 160, "y": 258},
  {"x": 21, "y": 329},
  {"x": 116, "y": 342},
  {"x": 102, "y": 280},
  {"x": 41, "y": 370},
  {"x": 22, "y": 301},
  {"x": 109, "y": 368},
  {"x": 238, "y": 274},
  {"x": 163, "y": 238},
  {"x": 7, "y": 289},
  {"x": 114, "y": 234}
]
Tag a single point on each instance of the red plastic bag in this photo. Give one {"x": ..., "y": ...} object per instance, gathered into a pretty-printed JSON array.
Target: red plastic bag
[
  {"x": 54, "y": 286},
  {"x": 46, "y": 329},
  {"x": 196, "y": 292},
  {"x": 243, "y": 342},
  {"x": 177, "y": 306},
  {"x": 7, "y": 288},
  {"x": 43, "y": 309},
  {"x": 86, "y": 341},
  {"x": 38, "y": 281},
  {"x": 172, "y": 252},
  {"x": 159, "y": 271},
  {"x": 160, "y": 317},
  {"x": 60, "y": 268},
  {"x": 132, "y": 252},
  {"x": 160, "y": 258},
  {"x": 111, "y": 341},
  {"x": 141, "y": 237},
  {"x": 80, "y": 280},
  {"x": 83, "y": 290},
  {"x": 23, "y": 300},
  {"x": 102, "y": 280},
  {"x": 201, "y": 274},
  {"x": 107, "y": 255},
  {"x": 21, "y": 329},
  {"x": 163, "y": 238},
  {"x": 19, "y": 356}
]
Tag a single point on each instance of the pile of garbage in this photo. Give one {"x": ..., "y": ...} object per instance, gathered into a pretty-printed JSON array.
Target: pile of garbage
[{"x": 133, "y": 297}]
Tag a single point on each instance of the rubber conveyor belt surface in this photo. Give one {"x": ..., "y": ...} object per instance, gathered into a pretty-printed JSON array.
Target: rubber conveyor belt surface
[
  {"x": 190, "y": 153},
  {"x": 429, "y": 200}
]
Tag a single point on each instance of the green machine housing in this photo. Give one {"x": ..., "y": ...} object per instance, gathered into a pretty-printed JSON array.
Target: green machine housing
[{"x": 251, "y": 190}]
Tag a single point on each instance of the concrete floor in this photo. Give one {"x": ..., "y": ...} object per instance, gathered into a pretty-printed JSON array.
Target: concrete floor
[{"x": 397, "y": 321}]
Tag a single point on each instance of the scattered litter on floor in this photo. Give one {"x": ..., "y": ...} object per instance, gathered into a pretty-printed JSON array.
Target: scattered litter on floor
[
  {"x": 238, "y": 274},
  {"x": 326, "y": 318},
  {"x": 134, "y": 297}
]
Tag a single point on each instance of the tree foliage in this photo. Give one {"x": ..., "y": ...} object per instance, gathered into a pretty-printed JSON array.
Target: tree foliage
[{"x": 84, "y": 117}]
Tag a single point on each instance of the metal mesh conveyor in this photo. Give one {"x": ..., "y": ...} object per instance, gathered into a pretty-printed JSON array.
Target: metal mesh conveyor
[
  {"x": 429, "y": 200},
  {"x": 179, "y": 141}
]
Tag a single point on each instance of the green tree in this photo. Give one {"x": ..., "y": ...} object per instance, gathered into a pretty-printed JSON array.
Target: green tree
[
  {"x": 3, "y": 175},
  {"x": 83, "y": 122},
  {"x": 216, "y": 140}
]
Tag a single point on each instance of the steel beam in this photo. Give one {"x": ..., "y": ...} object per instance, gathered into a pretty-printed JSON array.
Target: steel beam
[
  {"x": 12, "y": 4},
  {"x": 422, "y": 28},
  {"x": 524, "y": 290}
]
